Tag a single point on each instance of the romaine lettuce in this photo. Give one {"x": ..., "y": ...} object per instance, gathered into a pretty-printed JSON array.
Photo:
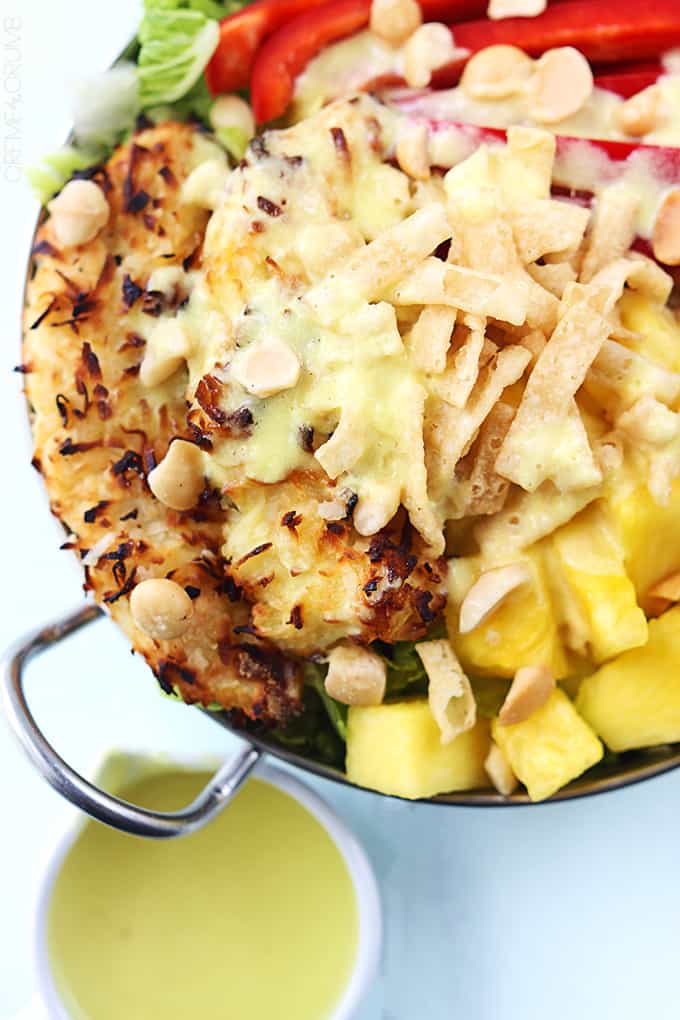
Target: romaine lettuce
[
  {"x": 106, "y": 106},
  {"x": 175, "y": 46},
  {"x": 54, "y": 170},
  {"x": 315, "y": 676},
  {"x": 311, "y": 733}
]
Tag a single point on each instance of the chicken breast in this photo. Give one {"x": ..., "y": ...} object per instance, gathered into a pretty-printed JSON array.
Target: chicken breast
[
  {"x": 128, "y": 338},
  {"x": 99, "y": 431}
]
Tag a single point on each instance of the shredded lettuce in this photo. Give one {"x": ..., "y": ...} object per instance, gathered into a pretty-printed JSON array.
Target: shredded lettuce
[
  {"x": 405, "y": 671},
  {"x": 106, "y": 106},
  {"x": 175, "y": 42},
  {"x": 315, "y": 676},
  {"x": 490, "y": 693},
  {"x": 54, "y": 170},
  {"x": 210, "y": 8},
  {"x": 175, "y": 46},
  {"x": 311, "y": 733}
]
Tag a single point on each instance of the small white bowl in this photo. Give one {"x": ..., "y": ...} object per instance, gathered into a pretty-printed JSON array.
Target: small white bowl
[{"x": 49, "y": 1003}]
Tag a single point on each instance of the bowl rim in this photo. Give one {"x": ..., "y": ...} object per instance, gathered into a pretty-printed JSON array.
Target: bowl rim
[
  {"x": 641, "y": 765},
  {"x": 354, "y": 856}
]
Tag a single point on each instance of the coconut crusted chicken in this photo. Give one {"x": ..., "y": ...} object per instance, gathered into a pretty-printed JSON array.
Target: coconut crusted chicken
[
  {"x": 165, "y": 461},
  {"x": 99, "y": 430}
]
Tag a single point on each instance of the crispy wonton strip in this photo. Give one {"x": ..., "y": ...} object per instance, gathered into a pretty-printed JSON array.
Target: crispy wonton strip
[
  {"x": 488, "y": 246},
  {"x": 431, "y": 338},
  {"x": 528, "y": 517},
  {"x": 639, "y": 273},
  {"x": 415, "y": 495},
  {"x": 545, "y": 226},
  {"x": 553, "y": 277},
  {"x": 535, "y": 342},
  {"x": 367, "y": 272},
  {"x": 612, "y": 230},
  {"x": 529, "y": 161},
  {"x": 343, "y": 449},
  {"x": 456, "y": 383},
  {"x": 455, "y": 432},
  {"x": 542, "y": 306},
  {"x": 486, "y": 236},
  {"x": 648, "y": 421},
  {"x": 547, "y": 401},
  {"x": 438, "y": 283},
  {"x": 628, "y": 375},
  {"x": 485, "y": 490},
  {"x": 449, "y": 694},
  {"x": 573, "y": 459}
]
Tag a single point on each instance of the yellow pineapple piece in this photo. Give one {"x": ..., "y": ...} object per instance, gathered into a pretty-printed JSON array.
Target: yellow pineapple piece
[
  {"x": 521, "y": 631},
  {"x": 649, "y": 534},
  {"x": 596, "y": 591},
  {"x": 396, "y": 749},
  {"x": 634, "y": 701},
  {"x": 659, "y": 332},
  {"x": 550, "y": 748}
]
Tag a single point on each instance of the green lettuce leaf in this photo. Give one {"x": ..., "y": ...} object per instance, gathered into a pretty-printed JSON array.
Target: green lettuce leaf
[
  {"x": 405, "y": 672},
  {"x": 315, "y": 676},
  {"x": 311, "y": 733},
  {"x": 210, "y": 8},
  {"x": 175, "y": 46},
  {"x": 106, "y": 106},
  {"x": 196, "y": 103},
  {"x": 54, "y": 170},
  {"x": 490, "y": 693}
]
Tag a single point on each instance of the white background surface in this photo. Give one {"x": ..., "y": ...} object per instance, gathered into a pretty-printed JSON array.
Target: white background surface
[{"x": 562, "y": 911}]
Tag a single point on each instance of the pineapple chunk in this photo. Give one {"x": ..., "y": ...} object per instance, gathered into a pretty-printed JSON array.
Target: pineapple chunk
[
  {"x": 649, "y": 533},
  {"x": 659, "y": 332},
  {"x": 521, "y": 631},
  {"x": 550, "y": 748},
  {"x": 397, "y": 749},
  {"x": 602, "y": 597},
  {"x": 635, "y": 700}
]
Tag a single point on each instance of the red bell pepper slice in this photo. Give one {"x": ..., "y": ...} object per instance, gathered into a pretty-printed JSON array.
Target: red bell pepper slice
[
  {"x": 628, "y": 79},
  {"x": 605, "y": 31},
  {"x": 241, "y": 35},
  {"x": 288, "y": 51},
  {"x": 663, "y": 161}
]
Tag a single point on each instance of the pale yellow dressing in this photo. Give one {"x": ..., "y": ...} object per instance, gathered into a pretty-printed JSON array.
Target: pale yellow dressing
[{"x": 254, "y": 916}]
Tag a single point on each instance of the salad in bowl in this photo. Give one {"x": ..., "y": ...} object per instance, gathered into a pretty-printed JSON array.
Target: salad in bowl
[{"x": 354, "y": 376}]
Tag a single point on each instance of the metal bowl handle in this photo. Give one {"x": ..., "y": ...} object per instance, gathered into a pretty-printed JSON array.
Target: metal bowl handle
[{"x": 66, "y": 781}]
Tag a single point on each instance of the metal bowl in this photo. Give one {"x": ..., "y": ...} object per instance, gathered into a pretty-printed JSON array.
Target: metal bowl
[{"x": 611, "y": 774}]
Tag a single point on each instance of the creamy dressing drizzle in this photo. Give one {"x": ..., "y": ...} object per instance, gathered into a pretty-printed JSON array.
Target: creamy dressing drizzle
[
  {"x": 364, "y": 57},
  {"x": 319, "y": 193},
  {"x": 351, "y": 63}
]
